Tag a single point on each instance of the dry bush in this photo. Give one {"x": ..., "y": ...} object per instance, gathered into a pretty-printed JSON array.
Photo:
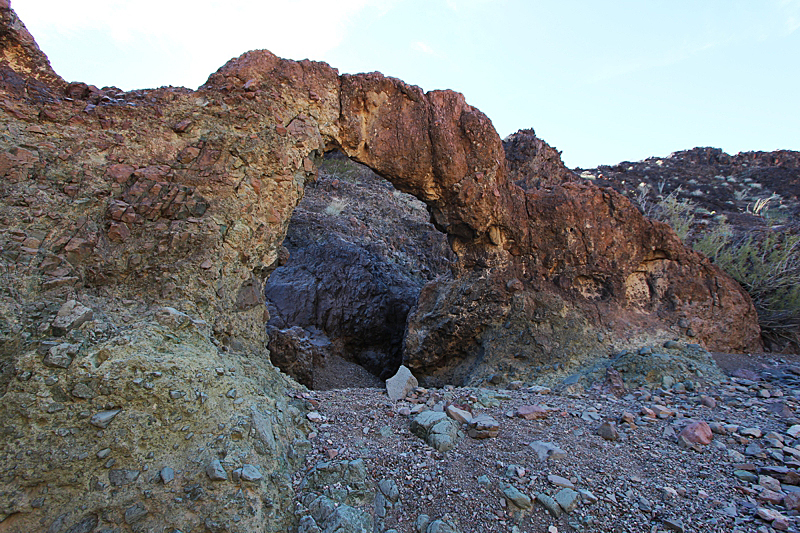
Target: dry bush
[{"x": 767, "y": 265}]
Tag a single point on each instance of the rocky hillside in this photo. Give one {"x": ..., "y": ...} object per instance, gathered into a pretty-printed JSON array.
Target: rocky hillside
[
  {"x": 138, "y": 229},
  {"x": 718, "y": 183}
]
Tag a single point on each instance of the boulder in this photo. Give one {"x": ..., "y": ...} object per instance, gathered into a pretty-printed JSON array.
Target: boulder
[
  {"x": 401, "y": 384},
  {"x": 436, "y": 428},
  {"x": 697, "y": 432}
]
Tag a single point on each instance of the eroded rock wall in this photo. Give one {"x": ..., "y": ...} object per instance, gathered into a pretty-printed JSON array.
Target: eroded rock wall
[{"x": 135, "y": 233}]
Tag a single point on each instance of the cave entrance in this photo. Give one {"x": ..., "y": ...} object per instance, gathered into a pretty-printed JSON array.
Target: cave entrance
[{"x": 359, "y": 253}]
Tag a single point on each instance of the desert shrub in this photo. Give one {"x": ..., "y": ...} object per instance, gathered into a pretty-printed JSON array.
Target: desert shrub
[
  {"x": 712, "y": 242},
  {"x": 676, "y": 212},
  {"x": 768, "y": 267},
  {"x": 336, "y": 207}
]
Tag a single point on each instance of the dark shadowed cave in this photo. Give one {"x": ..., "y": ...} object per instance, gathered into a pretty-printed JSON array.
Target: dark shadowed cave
[{"x": 359, "y": 252}]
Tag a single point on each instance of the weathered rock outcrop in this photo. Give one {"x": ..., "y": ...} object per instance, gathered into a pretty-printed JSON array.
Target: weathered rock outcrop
[{"x": 163, "y": 211}]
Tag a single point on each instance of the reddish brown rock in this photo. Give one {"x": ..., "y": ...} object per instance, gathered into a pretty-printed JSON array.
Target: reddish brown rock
[
  {"x": 532, "y": 412},
  {"x": 698, "y": 432}
]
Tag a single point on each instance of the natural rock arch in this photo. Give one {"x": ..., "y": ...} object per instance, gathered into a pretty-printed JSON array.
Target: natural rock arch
[{"x": 543, "y": 230}]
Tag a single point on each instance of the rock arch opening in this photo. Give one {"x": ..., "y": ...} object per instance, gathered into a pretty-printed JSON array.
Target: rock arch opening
[{"x": 358, "y": 252}]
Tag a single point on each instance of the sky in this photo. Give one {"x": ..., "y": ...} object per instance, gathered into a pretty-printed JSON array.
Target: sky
[{"x": 603, "y": 81}]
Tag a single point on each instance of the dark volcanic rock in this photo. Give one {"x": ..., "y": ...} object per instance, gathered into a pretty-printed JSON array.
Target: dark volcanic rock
[{"x": 359, "y": 253}]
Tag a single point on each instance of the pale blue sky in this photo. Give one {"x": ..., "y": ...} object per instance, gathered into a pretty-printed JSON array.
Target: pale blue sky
[{"x": 603, "y": 81}]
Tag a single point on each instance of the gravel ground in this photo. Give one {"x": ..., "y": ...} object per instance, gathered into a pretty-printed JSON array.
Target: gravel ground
[{"x": 644, "y": 481}]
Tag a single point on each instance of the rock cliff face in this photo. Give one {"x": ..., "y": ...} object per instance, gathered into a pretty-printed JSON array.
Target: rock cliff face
[{"x": 136, "y": 232}]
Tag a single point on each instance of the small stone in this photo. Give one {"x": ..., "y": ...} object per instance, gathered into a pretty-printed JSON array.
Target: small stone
[
  {"x": 550, "y": 504},
  {"x": 539, "y": 389},
  {"x": 70, "y": 316},
  {"x": 708, "y": 401},
  {"x": 82, "y": 390},
  {"x": 135, "y": 513},
  {"x": 167, "y": 475},
  {"x": 753, "y": 449},
  {"x": 483, "y": 481},
  {"x": 436, "y": 428},
  {"x": 121, "y": 477},
  {"x": 231, "y": 394},
  {"x": 673, "y": 524},
  {"x": 560, "y": 481},
  {"x": 547, "y": 450},
  {"x": 55, "y": 407},
  {"x": 747, "y": 477},
  {"x": 647, "y": 412},
  {"x": 315, "y": 417},
  {"x": 459, "y": 415},
  {"x": 102, "y": 454},
  {"x": 717, "y": 428},
  {"x": 792, "y": 501},
  {"x": 439, "y": 526},
  {"x": 389, "y": 489},
  {"x": 250, "y": 473},
  {"x": 104, "y": 418},
  {"x": 515, "y": 385},
  {"x": 401, "y": 384},
  {"x": 780, "y": 524},
  {"x": 770, "y": 496},
  {"x": 182, "y": 126},
  {"x": 794, "y": 431},
  {"x": 769, "y": 482},
  {"x": 59, "y": 356},
  {"x": 421, "y": 523},
  {"x": 567, "y": 499},
  {"x": 532, "y": 412},
  {"x": 588, "y": 496},
  {"x": 751, "y": 432},
  {"x": 608, "y": 430},
  {"x": 483, "y": 426},
  {"x": 769, "y": 514},
  {"x": 215, "y": 471},
  {"x": 517, "y": 498}
]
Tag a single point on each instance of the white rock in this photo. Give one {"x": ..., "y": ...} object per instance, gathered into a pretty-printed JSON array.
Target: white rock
[{"x": 399, "y": 385}]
